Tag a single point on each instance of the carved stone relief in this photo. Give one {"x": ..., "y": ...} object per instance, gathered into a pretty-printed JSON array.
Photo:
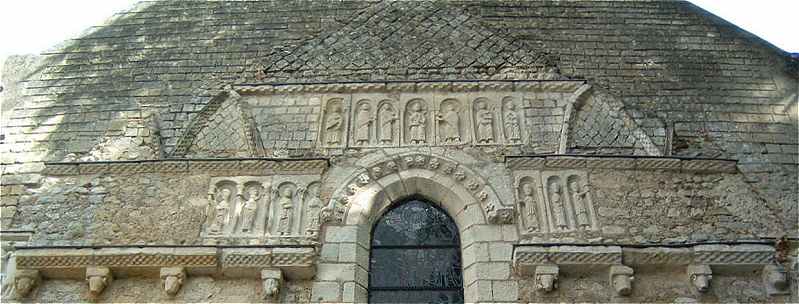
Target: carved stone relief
[
  {"x": 387, "y": 123},
  {"x": 263, "y": 209},
  {"x": 363, "y": 123},
  {"x": 334, "y": 124},
  {"x": 449, "y": 123},
  {"x": 417, "y": 122},
  {"x": 485, "y": 122},
  {"x": 554, "y": 202},
  {"x": 512, "y": 121}
]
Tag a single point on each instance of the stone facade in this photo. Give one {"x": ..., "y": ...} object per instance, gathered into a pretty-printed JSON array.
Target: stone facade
[{"x": 580, "y": 160}]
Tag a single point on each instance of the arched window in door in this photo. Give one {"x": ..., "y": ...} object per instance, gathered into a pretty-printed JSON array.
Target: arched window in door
[{"x": 415, "y": 256}]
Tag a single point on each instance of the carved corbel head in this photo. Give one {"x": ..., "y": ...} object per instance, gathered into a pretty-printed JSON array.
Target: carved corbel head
[
  {"x": 98, "y": 278},
  {"x": 775, "y": 278},
  {"x": 546, "y": 278},
  {"x": 700, "y": 276},
  {"x": 621, "y": 278},
  {"x": 25, "y": 280},
  {"x": 270, "y": 280},
  {"x": 172, "y": 279}
]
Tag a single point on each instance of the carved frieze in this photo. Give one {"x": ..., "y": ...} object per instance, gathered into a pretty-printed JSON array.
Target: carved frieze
[
  {"x": 552, "y": 202},
  {"x": 263, "y": 209}
]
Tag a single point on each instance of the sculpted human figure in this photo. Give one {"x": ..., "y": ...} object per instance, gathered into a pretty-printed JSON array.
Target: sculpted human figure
[
  {"x": 417, "y": 124},
  {"x": 449, "y": 121},
  {"x": 221, "y": 209},
  {"x": 556, "y": 201},
  {"x": 579, "y": 200},
  {"x": 314, "y": 206},
  {"x": 485, "y": 124},
  {"x": 250, "y": 208},
  {"x": 529, "y": 202},
  {"x": 285, "y": 201},
  {"x": 512, "y": 125},
  {"x": 363, "y": 124},
  {"x": 387, "y": 118},
  {"x": 333, "y": 125}
]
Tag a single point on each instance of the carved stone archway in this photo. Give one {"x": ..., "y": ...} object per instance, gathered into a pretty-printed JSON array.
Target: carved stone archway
[{"x": 463, "y": 193}]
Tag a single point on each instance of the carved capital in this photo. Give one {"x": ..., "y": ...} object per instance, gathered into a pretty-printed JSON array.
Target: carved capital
[
  {"x": 172, "y": 279},
  {"x": 700, "y": 277},
  {"x": 546, "y": 278},
  {"x": 25, "y": 280},
  {"x": 98, "y": 279},
  {"x": 621, "y": 278},
  {"x": 271, "y": 279}
]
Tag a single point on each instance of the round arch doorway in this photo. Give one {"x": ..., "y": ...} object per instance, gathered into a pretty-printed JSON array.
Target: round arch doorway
[{"x": 415, "y": 256}]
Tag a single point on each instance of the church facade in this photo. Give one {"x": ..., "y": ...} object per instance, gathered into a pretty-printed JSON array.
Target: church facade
[{"x": 351, "y": 152}]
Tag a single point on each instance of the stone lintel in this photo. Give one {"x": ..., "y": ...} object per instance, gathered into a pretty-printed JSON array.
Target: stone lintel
[
  {"x": 623, "y": 163},
  {"x": 239, "y": 166},
  {"x": 559, "y": 86},
  {"x": 72, "y": 263}
]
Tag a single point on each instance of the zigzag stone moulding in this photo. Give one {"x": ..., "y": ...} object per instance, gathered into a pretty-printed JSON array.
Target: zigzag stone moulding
[
  {"x": 567, "y": 86},
  {"x": 278, "y": 209},
  {"x": 240, "y": 166},
  {"x": 393, "y": 166},
  {"x": 543, "y": 162},
  {"x": 70, "y": 263}
]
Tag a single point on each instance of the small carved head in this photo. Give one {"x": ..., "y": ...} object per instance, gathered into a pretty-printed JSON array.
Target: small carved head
[
  {"x": 449, "y": 107},
  {"x": 377, "y": 172},
  {"x": 554, "y": 188},
  {"x": 172, "y": 279},
  {"x": 336, "y": 107},
  {"x": 511, "y": 105},
  {"x": 527, "y": 189},
  {"x": 286, "y": 192},
  {"x": 365, "y": 107},
  {"x": 363, "y": 179},
  {"x": 254, "y": 192},
  {"x": 416, "y": 107},
  {"x": 621, "y": 278},
  {"x": 224, "y": 194},
  {"x": 546, "y": 278},
  {"x": 24, "y": 284},
  {"x": 98, "y": 278},
  {"x": 574, "y": 186},
  {"x": 482, "y": 105},
  {"x": 700, "y": 276},
  {"x": 391, "y": 166},
  {"x": 271, "y": 287}
]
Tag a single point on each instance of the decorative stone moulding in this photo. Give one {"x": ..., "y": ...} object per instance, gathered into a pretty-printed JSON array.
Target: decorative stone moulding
[
  {"x": 252, "y": 166},
  {"x": 558, "y": 162},
  {"x": 170, "y": 264},
  {"x": 563, "y": 86},
  {"x": 700, "y": 262},
  {"x": 416, "y": 168}
]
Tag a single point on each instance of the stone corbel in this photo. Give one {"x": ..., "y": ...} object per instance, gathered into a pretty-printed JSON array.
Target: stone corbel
[
  {"x": 700, "y": 277},
  {"x": 98, "y": 279},
  {"x": 25, "y": 280},
  {"x": 271, "y": 279},
  {"x": 172, "y": 279},
  {"x": 621, "y": 279},
  {"x": 775, "y": 278},
  {"x": 546, "y": 278}
]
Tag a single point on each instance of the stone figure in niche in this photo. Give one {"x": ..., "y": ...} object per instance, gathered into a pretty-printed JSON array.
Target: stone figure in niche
[
  {"x": 221, "y": 210},
  {"x": 250, "y": 208},
  {"x": 449, "y": 121},
  {"x": 512, "y": 128},
  {"x": 485, "y": 124},
  {"x": 314, "y": 207},
  {"x": 556, "y": 201},
  {"x": 417, "y": 124},
  {"x": 387, "y": 119},
  {"x": 285, "y": 201},
  {"x": 529, "y": 202},
  {"x": 333, "y": 125},
  {"x": 579, "y": 198},
  {"x": 363, "y": 124}
]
